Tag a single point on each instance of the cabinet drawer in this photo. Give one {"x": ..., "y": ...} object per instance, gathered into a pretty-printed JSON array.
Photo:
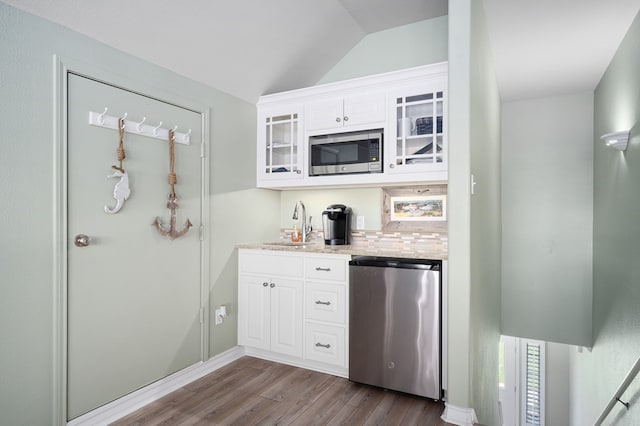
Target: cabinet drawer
[
  {"x": 325, "y": 302},
  {"x": 325, "y": 268},
  {"x": 325, "y": 343},
  {"x": 269, "y": 263}
]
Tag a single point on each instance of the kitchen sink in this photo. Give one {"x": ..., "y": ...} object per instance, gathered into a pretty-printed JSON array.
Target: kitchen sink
[{"x": 286, "y": 244}]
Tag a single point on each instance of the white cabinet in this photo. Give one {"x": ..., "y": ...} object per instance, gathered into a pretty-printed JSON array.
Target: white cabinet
[
  {"x": 409, "y": 105},
  {"x": 280, "y": 147},
  {"x": 293, "y": 308},
  {"x": 270, "y": 301},
  {"x": 417, "y": 140},
  {"x": 340, "y": 113},
  {"x": 325, "y": 309}
]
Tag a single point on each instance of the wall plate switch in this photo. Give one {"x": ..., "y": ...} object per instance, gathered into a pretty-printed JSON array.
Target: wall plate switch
[{"x": 359, "y": 222}]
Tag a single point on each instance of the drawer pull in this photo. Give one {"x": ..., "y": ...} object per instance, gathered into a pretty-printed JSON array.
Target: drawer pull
[
  {"x": 323, "y": 269},
  {"x": 320, "y": 345},
  {"x": 320, "y": 302},
  {"x": 265, "y": 284},
  {"x": 272, "y": 285}
]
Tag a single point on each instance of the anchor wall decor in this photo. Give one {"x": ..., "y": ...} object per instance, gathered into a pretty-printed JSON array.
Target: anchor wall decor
[
  {"x": 172, "y": 204},
  {"x": 121, "y": 191}
]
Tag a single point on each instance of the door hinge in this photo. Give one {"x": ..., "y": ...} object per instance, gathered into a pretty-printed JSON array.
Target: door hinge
[
  {"x": 201, "y": 232},
  {"x": 201, "y": 315},
  {"x": 202, "y": 150}
]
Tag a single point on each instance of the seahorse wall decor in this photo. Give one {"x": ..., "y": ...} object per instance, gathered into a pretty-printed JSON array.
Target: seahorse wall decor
[{"x": 121, "y": 191}]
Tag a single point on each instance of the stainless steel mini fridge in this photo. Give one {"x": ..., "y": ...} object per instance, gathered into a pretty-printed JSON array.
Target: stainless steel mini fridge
[{"x": 395, "y": 324}]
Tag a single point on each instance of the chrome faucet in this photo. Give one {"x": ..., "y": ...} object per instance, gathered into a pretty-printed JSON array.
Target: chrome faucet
[{"x": 306, "y": 226}]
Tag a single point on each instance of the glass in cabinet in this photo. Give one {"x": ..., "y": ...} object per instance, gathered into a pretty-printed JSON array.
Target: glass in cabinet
[
  {"x": 420, "y": 138},
  {"x": 280, "y": 154}
]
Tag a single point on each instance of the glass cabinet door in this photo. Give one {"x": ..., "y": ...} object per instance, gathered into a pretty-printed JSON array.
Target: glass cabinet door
[
  {"x": 281, "y": 145},
  {"x": 419, "y": 137}
]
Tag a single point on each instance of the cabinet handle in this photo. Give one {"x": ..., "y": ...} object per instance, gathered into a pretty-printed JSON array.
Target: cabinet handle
[
  {"x": 320, "y": 345},
  {"x": 346, "y": 118},
  {"x": 298, "y": 171},
  {"x": 320, "y": 302},
  {"x": 323, "y": 269},
  {"x": 338, "y": 119},
  {"x": 391, "y": 166},
  {"x": 265, "y": 284},
  {"x": 272, "y": 285}
]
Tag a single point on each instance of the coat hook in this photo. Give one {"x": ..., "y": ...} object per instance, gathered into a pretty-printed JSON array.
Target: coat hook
[
  {"x": 155, "y": 129},
  {"x": 101, "y": 116},
  {"x": 175, "y": 127},
  {"x": 188, "y": 133},
  {"x": 139, "y": 125},
  {"x": 123, "y": 118}
]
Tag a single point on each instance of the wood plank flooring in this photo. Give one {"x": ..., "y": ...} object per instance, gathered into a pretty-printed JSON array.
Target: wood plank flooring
[{"x": 252, "y": 391}]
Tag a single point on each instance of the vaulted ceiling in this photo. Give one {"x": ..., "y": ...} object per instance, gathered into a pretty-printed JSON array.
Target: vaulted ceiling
[{"x": 251, "y": 47}]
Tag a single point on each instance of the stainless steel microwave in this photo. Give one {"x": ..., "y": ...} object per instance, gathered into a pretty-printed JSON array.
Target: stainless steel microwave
[{"x": 343, "y": 153}]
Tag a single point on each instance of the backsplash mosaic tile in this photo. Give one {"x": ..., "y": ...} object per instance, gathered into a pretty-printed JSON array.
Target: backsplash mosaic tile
[{"x": 388, "y": 242}]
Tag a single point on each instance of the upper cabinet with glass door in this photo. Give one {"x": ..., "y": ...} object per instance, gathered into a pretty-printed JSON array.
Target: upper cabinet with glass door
[
  {"x": 410, "y": 105},
  {"x": 279, "y": 144},
  {"x": 419, "y": 141}
]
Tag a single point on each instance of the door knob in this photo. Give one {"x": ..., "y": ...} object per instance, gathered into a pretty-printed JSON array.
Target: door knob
[{"x": 81, "y": 240}]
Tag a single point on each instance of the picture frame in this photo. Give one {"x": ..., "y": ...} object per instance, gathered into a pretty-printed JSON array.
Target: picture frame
[{"x": 416, "y": 209}]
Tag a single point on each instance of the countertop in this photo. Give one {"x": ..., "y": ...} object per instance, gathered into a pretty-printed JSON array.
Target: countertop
[{"x": 351, "y": 249}]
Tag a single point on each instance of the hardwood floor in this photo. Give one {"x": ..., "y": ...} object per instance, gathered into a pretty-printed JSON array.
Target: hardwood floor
[{"x": 252, "y": 391}]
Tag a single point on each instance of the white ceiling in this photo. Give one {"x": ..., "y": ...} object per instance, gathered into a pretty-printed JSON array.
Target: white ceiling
[
  {"x": 252, "y": 47},
  {"x": 550, "y": 47}
]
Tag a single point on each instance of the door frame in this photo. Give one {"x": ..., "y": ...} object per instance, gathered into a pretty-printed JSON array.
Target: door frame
[{"x": 62, "y": 66}]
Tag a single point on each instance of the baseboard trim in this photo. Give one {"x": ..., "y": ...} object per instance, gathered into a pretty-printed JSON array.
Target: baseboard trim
[
  {"x": 135, "y": 400},
  {"x": 459, "y": 415},
  {"x": 298, "y": 362}
]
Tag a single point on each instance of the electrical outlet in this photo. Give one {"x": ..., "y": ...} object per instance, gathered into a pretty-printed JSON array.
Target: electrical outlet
[
  {"x": 359, "y": 222},
  {"x": 220, "y": 314}
]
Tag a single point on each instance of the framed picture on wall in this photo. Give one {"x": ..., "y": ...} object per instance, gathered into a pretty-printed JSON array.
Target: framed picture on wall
[
  {"x": 420, "y": 209},
  {"x": 423, "y": 208}
]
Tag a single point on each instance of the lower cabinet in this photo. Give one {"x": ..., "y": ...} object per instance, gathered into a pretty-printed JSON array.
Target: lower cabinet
[
  {"x": 270, "y": 298},
  {"x": 273, "y": 319},
  {"x": 325, "y": 343},
  {"x": 292, "y": 308}
]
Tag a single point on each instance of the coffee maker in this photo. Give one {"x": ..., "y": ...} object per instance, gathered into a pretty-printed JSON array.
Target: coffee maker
[{"x": 336, "y": 224}]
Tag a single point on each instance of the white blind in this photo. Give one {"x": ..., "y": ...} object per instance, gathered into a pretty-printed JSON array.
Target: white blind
[{"x": 533, "y": 380}]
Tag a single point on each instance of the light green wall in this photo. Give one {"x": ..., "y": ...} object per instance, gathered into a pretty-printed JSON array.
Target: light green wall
[
  {"x": 458, "y": 373},
  {"x": 27, "y": 45},
  {"x": 412, "y": 45},
  {"x": 616, "y": 232},
  {"x": 547, "y": 217},
  {"x": 486, "y": 224}
]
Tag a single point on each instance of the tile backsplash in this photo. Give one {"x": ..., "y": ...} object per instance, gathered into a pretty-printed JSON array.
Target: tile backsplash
[{"x": 408, "y": 242}]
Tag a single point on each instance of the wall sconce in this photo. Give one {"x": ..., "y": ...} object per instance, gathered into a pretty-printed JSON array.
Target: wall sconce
[{"x": 617, "y": 140}]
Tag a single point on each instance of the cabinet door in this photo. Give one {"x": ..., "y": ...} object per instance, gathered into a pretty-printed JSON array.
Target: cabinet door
[
  {"x": 350, "y": 111},
  {"x": 365, "y": 109},
  {"x": 286, "y": 316},
  {"x": 280, "y": 143},
  {"x": 254, "y": 306},
  {"x": 323, "y": 114},
  {"x": 418, "y": 139}
]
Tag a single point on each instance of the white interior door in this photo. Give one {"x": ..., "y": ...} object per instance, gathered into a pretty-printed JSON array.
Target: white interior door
[{"x": 134, "y": 296}]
